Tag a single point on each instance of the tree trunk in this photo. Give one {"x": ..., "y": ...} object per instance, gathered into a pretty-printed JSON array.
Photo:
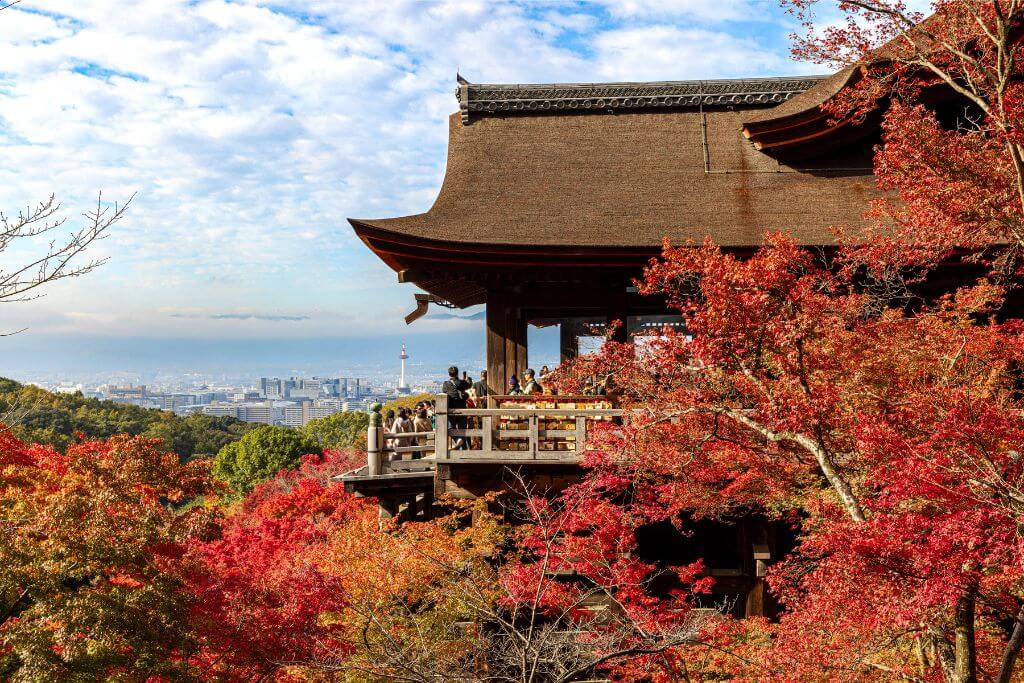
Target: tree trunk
[
  {"x": 966, "y": 665},
  {"x": 1012, "y": 649}
]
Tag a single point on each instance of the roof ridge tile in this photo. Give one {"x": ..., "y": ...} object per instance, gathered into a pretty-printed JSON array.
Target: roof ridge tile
[{"x": 484, "y": 99}]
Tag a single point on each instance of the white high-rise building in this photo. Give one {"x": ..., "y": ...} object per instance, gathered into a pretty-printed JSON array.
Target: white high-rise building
[{"x": 402, "y": 386}]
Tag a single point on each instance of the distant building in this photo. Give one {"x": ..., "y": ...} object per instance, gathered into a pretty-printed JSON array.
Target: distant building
[
  {"x": 334, "y": 387},
  {"x": 306, "y": 392},
  {"x": 124, "y": 393},
  {"x": 271, "y": 387},
  {"x": 263, "y": 412},
  {"x": 219, "y": 409},
  {"x": 301, "y": 414},
  {"x": 295, "y": 416}
]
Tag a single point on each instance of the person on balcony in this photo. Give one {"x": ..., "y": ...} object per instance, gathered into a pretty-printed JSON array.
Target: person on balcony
[
  {"x": 456, "y": 388},
  {"x": 513, "y": 386},
  {"x": 400, "y": 425},
  {"x": 422, "y": 423},
  {"x": 481, "y": 390},
  {"x": 531, "y": 385},
  {"x": 388, "y": 425}
]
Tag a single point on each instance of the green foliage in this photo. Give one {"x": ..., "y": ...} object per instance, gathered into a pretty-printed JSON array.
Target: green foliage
[
  {"x": 38, "y": 416},
  {"x": 341, "y": 431},
  {"x": 261, "y": 454},
  {"x": 405, "y": 402}
]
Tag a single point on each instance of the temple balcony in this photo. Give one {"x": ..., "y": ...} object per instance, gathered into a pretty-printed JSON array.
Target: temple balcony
[{"x": 538, "y": 439}]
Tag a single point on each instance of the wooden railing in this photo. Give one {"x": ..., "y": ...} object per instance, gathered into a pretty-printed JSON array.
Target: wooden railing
[{"x": 511, "y": 429}]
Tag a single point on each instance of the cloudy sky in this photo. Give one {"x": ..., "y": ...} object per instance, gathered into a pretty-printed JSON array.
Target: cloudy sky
[{"x": 250, "y": 130}]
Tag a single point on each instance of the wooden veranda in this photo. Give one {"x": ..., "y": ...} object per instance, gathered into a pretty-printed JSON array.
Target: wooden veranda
[{"x": 542, "y": 438}]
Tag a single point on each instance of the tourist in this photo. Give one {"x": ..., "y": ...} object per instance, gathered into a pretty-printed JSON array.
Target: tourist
[
  {"x": 531, "y": 385},
  {"x": 422, "y": 423},
  {"x": 402, "y": 425},
  {"x": 543, "y": 375},
  {"x": 481, "y": 389},
  {"x": 513, "y": 386},
  {"x": 455, "y": 389},
  {"x": 388, "y": 426}
]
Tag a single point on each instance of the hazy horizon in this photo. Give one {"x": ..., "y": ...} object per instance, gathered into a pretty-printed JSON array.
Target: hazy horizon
[{"x": 33, "y": 356}]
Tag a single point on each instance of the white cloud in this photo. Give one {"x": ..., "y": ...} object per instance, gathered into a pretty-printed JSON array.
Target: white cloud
[
  {"x": 667, "y": 53},
  {"x": 251, "y": 129},
  {"x": 702, "y": 10}
]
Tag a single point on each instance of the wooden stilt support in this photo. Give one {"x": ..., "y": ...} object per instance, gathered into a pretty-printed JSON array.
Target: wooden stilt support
[
  {"x": 387, "y": 508},
  {"x": 497, "y": 319},
  {"x": 617, "y": 312},
  {"x": 427, "y": 506},
  {"x": 507, "y": 352},
  {"x": 568, "y": 339}
]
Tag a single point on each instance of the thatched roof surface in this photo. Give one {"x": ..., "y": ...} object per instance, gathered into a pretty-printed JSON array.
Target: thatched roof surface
[{"x": 629, "y": 179}]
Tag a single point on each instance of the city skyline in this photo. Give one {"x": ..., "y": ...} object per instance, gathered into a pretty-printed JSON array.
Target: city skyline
[{"x": 168, "y": 367}]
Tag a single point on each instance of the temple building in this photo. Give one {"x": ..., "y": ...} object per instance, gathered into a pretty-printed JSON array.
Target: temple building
[
  {"x": 555, "y": 196},
  {"x": 554, "y": 199}
]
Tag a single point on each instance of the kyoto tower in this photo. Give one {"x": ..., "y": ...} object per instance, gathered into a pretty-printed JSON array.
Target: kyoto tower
[{"x": 402, "y": 386}]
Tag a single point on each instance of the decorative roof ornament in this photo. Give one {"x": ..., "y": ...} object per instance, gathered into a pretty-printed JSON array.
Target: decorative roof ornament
[{"x": 478, "y": 99}]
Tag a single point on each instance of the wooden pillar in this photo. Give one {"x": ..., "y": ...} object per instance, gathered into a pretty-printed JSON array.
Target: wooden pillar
[
  {"x": 506, "y": 341},
  {"x": 497, "y": 319},
  {"x": 511, "y": 346},
  {"x": 568, "y": 339},
  {"x": 427, "y": 505},
  {"x": 387, "y": 508},
  {"x": 759, "y": 601},
  {"x": 520, "y": 338},
  {"x": 754, "y": 605},
  {"x": 617, "y": 311}
]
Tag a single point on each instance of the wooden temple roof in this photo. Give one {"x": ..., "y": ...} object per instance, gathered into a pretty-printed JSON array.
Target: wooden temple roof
[{"x": 597, "y": 175}]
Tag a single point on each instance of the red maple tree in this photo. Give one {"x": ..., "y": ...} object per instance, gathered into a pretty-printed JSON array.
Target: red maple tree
[
  {"x": 893, "y": 430},
  {"x": 260, "y": 599}
]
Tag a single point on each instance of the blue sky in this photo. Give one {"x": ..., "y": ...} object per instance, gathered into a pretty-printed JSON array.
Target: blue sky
[{"x": 250, "y": 130}]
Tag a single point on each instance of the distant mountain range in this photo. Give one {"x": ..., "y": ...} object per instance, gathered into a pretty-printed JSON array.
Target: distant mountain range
[{"x": 482, "y": 315}]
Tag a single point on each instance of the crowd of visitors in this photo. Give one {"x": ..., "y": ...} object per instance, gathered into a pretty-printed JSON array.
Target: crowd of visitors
[{"x": 408, "y": 427}]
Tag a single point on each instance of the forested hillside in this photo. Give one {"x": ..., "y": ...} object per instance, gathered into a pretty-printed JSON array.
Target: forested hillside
[{"x": 38, "y": 416}]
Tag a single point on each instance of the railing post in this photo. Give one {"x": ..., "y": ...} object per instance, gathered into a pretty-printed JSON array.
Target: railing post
[
  {"x": 441, "y": 427},
  {"x": 581, "y": 435},
  {"x": 374, "y": 443},
  {"x": 487, "y": 441},
  {"x": 534, "y": 436}
]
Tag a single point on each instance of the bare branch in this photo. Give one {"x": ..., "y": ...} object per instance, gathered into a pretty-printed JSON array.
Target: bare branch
[{"x": 61, "y": 258}]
